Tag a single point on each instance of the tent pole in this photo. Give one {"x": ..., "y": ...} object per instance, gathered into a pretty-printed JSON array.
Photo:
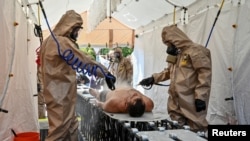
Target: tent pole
[
  {"x": 216, "y": 18},
  {"x": 168, "y": 1},
  {"x": 174, "y": 15}
]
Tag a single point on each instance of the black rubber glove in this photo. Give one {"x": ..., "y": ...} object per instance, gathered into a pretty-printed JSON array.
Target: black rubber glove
[
  {"x": 147, "y": 81},
  {"x": 110, "y": 80},
  {"x": 200, "y": 105}
]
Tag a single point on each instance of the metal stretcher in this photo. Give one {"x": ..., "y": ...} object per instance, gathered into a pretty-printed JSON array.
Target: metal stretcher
[{"x": 97, "y": 125}]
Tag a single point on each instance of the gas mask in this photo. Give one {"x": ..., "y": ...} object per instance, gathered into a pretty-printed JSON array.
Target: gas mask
[
  {"x": 172, "y": 52},
  {"x": 117, "y": 56},
  {"x": 75, "y": 32}
]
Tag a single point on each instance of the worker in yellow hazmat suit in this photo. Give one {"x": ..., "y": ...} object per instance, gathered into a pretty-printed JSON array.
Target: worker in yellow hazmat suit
[
  {"x": 59, "y": 79},
  {"x": 189, "y": 71}
]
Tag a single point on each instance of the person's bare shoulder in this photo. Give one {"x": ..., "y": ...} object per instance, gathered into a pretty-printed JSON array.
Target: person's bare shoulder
[
  {"x": 119, "y": 93},
  {"x": 114, "y": 105}
]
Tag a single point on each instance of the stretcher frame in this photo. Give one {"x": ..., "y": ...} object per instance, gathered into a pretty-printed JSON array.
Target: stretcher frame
[{"x": 97, "y": 125}]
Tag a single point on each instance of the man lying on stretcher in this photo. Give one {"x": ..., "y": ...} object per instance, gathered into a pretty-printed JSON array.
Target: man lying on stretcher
[{"x": 123, "y": 100}]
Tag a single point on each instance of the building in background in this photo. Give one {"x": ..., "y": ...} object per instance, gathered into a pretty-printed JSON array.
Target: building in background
[{"x": 109, "y": 33}]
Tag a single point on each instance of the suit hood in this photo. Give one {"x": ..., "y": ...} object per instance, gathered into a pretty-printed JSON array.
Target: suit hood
[
  {"x": 67, "y": 23},
  {"x": 174, "y": 35}
]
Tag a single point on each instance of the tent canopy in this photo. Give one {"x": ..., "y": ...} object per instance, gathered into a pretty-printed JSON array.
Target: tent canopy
[{"x": 132, "y": 13}]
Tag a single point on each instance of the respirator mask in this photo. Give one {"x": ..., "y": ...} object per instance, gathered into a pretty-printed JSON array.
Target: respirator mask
[
  {"x": 172, "y": 52},
  {"x": 75, "y": 32},
  {"x": 117, "y": 57}
]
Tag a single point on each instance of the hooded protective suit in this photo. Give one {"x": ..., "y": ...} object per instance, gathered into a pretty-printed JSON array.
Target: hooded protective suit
[
  {"x": 121, "y": 67},
  {"x": 59, "y": 79},
  {"x": 190, "y": 79}
]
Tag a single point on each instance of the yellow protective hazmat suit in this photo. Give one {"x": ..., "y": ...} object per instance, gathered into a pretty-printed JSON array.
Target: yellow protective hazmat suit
[
  {"x": 59, "y": 79},
  {"x": 190, "y": 79},
  {"x": 121, "y": 68}
]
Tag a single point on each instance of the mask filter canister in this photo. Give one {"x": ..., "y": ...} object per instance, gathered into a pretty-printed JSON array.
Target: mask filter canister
[
  {"x": 172, "y": 52},
  {"x": 171, "y": 59}
]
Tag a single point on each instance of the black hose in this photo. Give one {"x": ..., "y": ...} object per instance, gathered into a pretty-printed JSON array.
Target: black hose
[
  {"x": 216, "y": 18},
  {"x": 150, "y": 86}
]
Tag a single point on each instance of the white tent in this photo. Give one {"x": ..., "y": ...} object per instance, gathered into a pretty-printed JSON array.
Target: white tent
[{"x": 229, "y": 44}]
